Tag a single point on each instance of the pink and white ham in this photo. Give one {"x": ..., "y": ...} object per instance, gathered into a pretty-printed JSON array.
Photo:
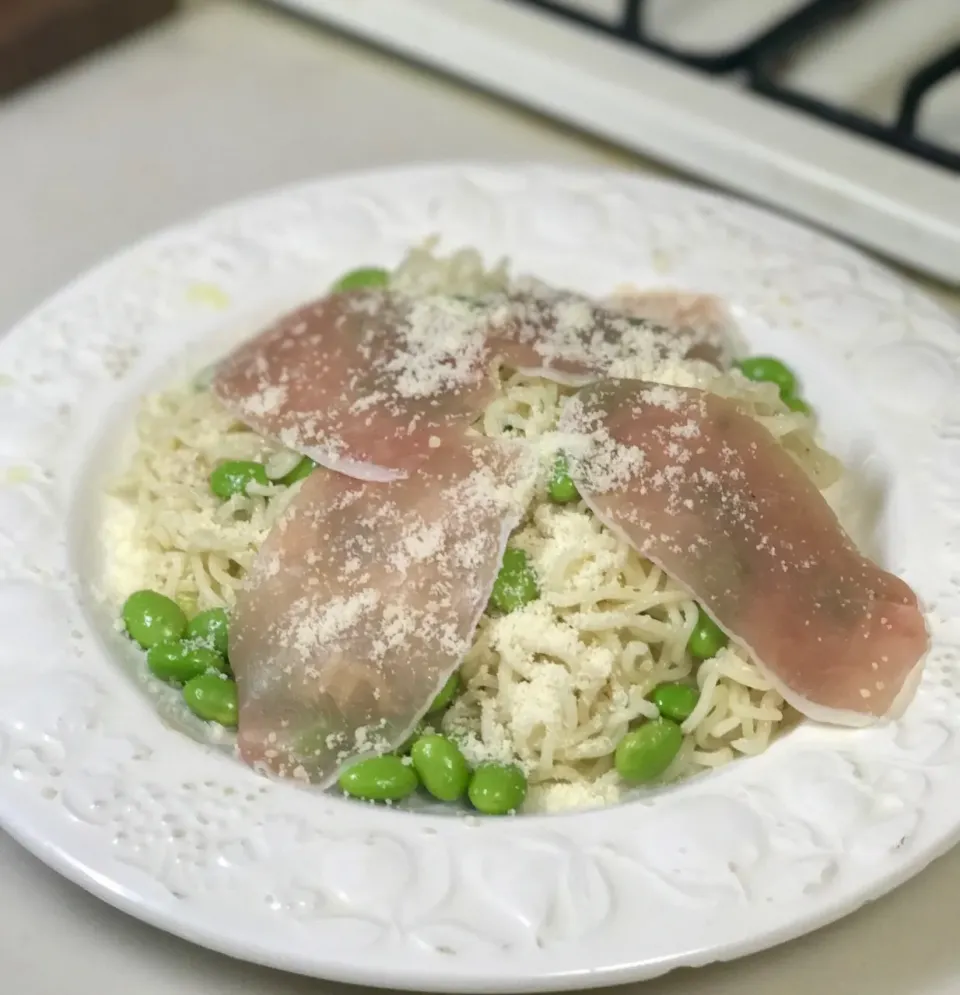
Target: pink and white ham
[
  {"x": 706, "y": 493},
  {"x": 364, "y": 599},
  {"x": 366, "y": 382},
  {"x": 702, "y": 317},
  {"x": 361, "y": 382},
  {"x": 573, "y": 340}
]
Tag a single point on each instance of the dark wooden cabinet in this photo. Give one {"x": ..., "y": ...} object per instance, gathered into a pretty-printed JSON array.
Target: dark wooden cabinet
[{"x": 38, "y": 37}]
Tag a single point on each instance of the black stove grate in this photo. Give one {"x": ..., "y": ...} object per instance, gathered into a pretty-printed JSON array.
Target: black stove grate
[{"x": 757, "y": 61}]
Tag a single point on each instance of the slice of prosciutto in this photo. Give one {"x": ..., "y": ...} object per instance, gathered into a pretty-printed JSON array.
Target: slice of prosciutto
[
  {"x": 702, "y": 317},
  {"x": 706, "y": 493},
  {"x": 361, "y": 382},
  {"x": 569, "y": 338},
  {"x": 365, "y": 383},
  {"x": 364, "y": 599}
]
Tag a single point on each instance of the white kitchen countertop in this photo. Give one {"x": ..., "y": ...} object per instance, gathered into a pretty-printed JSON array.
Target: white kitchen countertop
[{"x": 224, "y": 101}]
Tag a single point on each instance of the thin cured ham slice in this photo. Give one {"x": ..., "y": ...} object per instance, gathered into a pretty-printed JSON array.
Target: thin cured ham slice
[
  {"x": 573, "y": 340},
  {"x": 364, "y": 599},
  {"x": 366, "y": 383},
  {"x": 361, "y": 382},
  {"x": 703, "y": 317},
  {"x": 706, "y": 493}
]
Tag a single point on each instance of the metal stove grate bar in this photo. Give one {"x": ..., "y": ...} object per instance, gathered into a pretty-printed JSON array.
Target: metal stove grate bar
[{"x": 758, "y": 59}]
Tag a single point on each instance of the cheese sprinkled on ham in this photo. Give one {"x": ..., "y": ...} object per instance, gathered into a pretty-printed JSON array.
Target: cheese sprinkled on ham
[
  {"x": 364, "y": 599},
  {"x": 707, "y": 494}
]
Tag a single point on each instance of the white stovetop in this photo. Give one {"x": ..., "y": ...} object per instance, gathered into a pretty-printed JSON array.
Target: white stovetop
[
  {"x": 222, "y": 102},
  {"x": 716, "y": 129}
]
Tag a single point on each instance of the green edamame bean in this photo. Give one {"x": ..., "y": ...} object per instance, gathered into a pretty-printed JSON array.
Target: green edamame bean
[
  {"x": 303, "y": 469},
  {"x": 646, "y": 752},
  {"x": 675, "y": 701},
  {"x": 497, "y": 789},
  {"x": 181, "y": 662},
  {"x": 406, "y": 746},
  {"x": 211, "y": 629},
  {"x": 151, "y": 618},
  {"x": 379, "y": 779},
  {"x": 446, "y": 694},
  {"x": 795, "y": 403},
  {"x": 561, "y": 488},
  {"x": 208, "y": 659},
  {"x": 213, "y": 698},
  {"x": 365, "y": 276},
  {"x": 442, "y": 768},
  {"x": 516, "y": 584},
  {"x": 707, "y": 638},
  {"x": 235, "y": 476},
  {"x": 769, "y": 370},
  {"x": 168, "y": 662}
]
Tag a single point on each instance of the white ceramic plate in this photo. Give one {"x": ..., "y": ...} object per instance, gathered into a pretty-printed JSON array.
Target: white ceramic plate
[{"x": 94, "y": 783}]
